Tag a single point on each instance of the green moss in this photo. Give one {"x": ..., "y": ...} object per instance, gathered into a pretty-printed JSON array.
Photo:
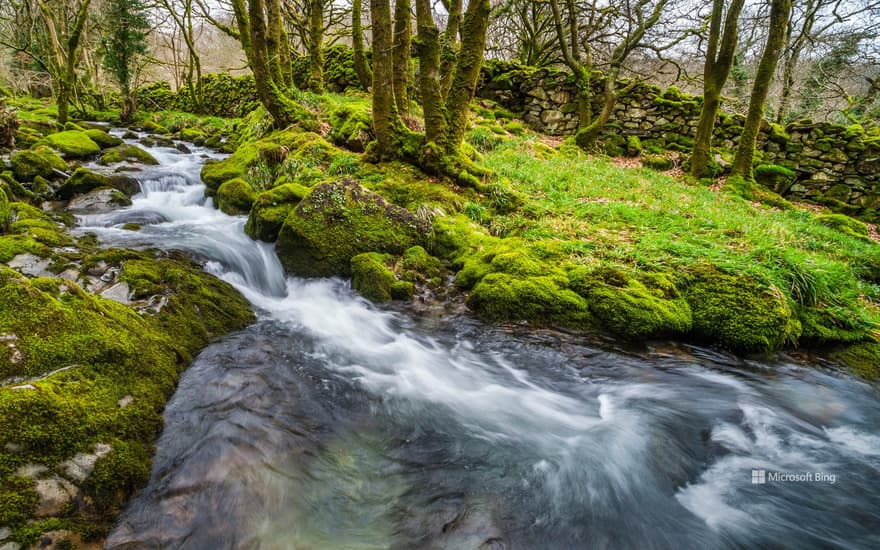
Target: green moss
[
  {"x": 775, "y": 177},
  {"x": 778, "y": 134},
  {"x": 235, "y": 197},
  {"x": 374, "y": 279},
  {"x": 737, "y": 311},
  {"x": 18, "y": 501},
  {"x": 350, "y": 125},
  {"x": 540, "y": 299},
  {"x": 118, "y": 475},
  {"x": 658, "y": 162},
  {"x": 192, "y": 134},
  {"x": 845, "y": 224},
  {"x": 418, "y": 265},
  {"x": 863, "y": 359},
  {"x": 82, "y": 181},
  {"x": 633, "y": 146},
  {"x": 4, "y": 211},
  {"x": 632, "y": 308},
  {"x": 103, "y": 139},
  {"x": 340, "y": 220},
  {"x": 26, "y": 165},
  {"x": 73, "y": 143},
  {"x": 127, "y": 152},
  {"x": 823, "y": 325},
  {"x": 271, "y": 208},
  {"x": 749, "y": 190}
]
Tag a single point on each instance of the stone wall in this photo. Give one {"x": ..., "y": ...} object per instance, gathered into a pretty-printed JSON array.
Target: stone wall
[{"x": 827, "y": 163}]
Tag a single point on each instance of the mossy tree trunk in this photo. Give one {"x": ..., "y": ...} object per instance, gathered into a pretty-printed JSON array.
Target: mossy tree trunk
[
  {"x": 780, "y": 11},
  {"x": 64, "y": 40},
  {"x": 428, "y": 47},
  {"x": 401, "y": 54},
  {"x": 449, "y": 44},
  {"x": 251, "y": 18},
  {"x": 363, "y": 72},
  {"x": 386, "y": 120},
  {"x": 720, "y": 54},
  {"x": 316, "y": 45}
]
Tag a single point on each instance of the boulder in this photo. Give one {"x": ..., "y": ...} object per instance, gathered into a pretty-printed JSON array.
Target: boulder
[{"x": 340, "y": 220}]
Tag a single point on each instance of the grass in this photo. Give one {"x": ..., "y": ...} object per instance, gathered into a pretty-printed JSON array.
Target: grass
[{"x": 641, "y": 219}]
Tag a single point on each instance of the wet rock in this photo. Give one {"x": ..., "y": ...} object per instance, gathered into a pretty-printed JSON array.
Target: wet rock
[
  {"x": 99, "y": 200},
  {"x": 55, "y": 493},
  {"x": 5, "y": 533},
  {"x": 183, "y": 148},
  {"x": 31, "y": 265},
  {"x": 125, "y": 401}
]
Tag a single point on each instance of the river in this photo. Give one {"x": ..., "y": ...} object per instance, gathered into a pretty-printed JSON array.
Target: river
[{"x": 333, "y": 423}]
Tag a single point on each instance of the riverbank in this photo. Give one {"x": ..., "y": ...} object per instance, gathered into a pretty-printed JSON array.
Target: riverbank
[
  {"x": 94, "y": 338},
  {"x": 561, "y": 238}
]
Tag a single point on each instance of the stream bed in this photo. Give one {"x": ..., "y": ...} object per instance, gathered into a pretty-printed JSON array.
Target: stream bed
[{"x": 332, "y": 423}]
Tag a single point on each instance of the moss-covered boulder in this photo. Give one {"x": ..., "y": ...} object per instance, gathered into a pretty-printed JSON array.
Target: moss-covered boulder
[
  {"x": 129, "y": 153},
  {"x": 235, "y": 197},
  {"x": 28, "y": 164},
  {"x": 73, "y": 143},
  {"x": 775, "y": 177},
  {"x": 103, "y": 139},
  {"x": 351, "y": 126},
  {"x": 540, "y": 299},
  {"x": 630, "y": 307},
  {"x": 863, "y": 359},
  {"x": 737, "y": 311},
  {"x": 271, "y": 208},
  {"x": 84, "y": 180},
  {"x": 340, "y": 220},
  {"x": 373, "y": 277},
  {"x": 4, "y": 210}
]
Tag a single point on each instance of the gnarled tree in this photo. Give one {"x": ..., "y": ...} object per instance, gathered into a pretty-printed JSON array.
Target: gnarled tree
[{"x": 64, "y": 34}]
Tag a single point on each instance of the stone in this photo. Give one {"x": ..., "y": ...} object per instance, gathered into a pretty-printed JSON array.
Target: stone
[
  {"x": 5, "y": 533},
  {"x": 120, "y": 292},
  {"x": 10, "y": 546},
  {"x": 98, "y": 201},
  {"x": 30, "y": 265},
  {"x": 55, "y": 493},
  {"x": 538, "y": 93},
  {"x": 31, "y": 470},
  {"x": 81, "y": 465},
  {"x": 125, "y": 401}
]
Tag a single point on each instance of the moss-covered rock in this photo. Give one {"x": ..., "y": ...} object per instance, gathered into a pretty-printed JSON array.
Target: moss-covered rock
[
  {"x": 863, "y": 359},
  {"x": 340, "y": 220},
  {"x": 271, "y": 208},
  {"x": 658, "y": 162},
  {"x": 82, "y": 181},
  {"x": 127, "y": 152},
  {"x": 372, "y": 276},
  {"x": 235, "y": 197},
  {"x": 632, "y": 308},
  {"x": 775, "y": 177},
  {"x": 4, "y": 211},
  {"x": 845, "y": 225},
  {"x": 73, "y": 143},
  {"x": 103, "y": 139},
  {"x": 737, "y": 311},
  {"x": 28, "y": 164},
  {"x": 351, "y": 126},
  {"x": 539, "y": 299}
]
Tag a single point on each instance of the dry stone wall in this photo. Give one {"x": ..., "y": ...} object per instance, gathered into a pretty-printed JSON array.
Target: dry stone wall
[{"x": 822, "y": 162}]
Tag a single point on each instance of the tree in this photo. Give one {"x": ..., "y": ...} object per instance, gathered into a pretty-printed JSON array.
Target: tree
[
  {"x": 124, "y": 41},
  {"x": 401, "y": 54},
  {"x": 315, "y": 45},
  {"x": 365, "y": 76},
  {"x": 626, "y": 22},
  {"x": 780, "y": 11},
  {"x": 64, "y": 35},
  {"x": 258, "y": 32},
  {"x": 720, "y": 56}
]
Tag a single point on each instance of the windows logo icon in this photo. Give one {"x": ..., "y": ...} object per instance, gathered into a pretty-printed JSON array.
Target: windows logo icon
[{"x": 759, "y": 477}]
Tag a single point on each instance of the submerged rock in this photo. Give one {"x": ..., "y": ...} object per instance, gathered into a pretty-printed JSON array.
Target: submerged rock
[
  {"x": 99, "y": 200},
  {"x": 340, "y": 220}
]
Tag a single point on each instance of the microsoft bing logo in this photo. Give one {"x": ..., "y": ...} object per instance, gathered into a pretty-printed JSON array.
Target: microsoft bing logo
[{"x": 759, "y": 477}]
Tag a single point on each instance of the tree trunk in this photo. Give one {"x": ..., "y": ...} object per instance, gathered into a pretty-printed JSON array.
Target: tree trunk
[
  {"x": 450, "y": 39},
  {"x": 720, "y": 53},
  {"x": 385, "y": 117},
  {"x": 467, "y": 70},
  {"x": 357, "y": 43},
  {"x": 316, "y": 53},
  {"x": 401, "y": 54},
  {"x": 587, "y": 135},
  {"x": 780, "y": 11},
  {"x": 428, "y": 44}
]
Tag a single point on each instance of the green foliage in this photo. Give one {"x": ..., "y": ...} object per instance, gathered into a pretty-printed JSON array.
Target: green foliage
[{"x": 124, "y": 39}]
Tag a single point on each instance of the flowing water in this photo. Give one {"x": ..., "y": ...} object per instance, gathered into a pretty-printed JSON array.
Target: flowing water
[{"x": 331, "y": 423}]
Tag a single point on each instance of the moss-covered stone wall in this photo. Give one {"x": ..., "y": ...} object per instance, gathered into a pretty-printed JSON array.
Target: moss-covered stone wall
[{"x": 827, "y": 163}]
